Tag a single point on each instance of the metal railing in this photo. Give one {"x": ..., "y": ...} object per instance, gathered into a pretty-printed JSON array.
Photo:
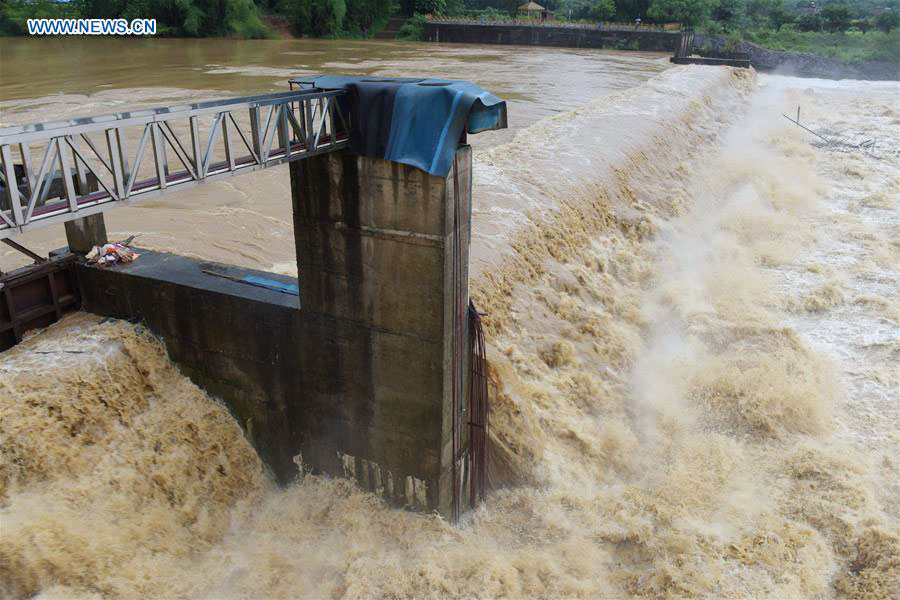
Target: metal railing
[{"x": 98, "y": 163}]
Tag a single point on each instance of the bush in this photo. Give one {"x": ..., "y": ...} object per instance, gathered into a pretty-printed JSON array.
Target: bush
[
  {"x": 811, "y": 22},
  {"x": 193, "y": 18},
  {"x": 15, "y": 13},
  {"x": 862, "y": 25},
  {"x": 888, "y": 21},
  {"x": 689, "y": 12},
  {"x": 731, "y": 42},
  {"x": 431, "y": 7},
  {"x": 836, "y": 17},
  {"x": 845, "y": 47},
  {"x": 414, "y": 29},
  {"x": 587, "y": 10},
  {"x": 779, "y": 16}
]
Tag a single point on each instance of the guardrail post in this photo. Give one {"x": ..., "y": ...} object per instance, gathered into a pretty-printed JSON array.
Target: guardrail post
[
  {"x": 255, "y": 134},
  {"x": 12, "y": 189},
  {"x": 84, "y": 233}
]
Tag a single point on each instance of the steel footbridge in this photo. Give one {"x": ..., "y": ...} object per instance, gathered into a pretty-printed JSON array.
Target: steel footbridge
[{"x": 61, "y": 171}]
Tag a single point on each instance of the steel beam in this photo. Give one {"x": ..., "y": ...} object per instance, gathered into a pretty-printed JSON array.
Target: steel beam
[{"x": 267, "y": 142}]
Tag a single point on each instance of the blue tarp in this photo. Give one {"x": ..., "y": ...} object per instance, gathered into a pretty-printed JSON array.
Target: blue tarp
[{"x": 417, "y": 122}]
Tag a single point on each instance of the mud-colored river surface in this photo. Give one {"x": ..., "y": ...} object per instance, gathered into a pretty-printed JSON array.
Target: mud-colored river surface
[{"x": 51, "y": 79}]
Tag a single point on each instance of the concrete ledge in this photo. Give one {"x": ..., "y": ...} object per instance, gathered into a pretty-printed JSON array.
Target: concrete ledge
[
  {"x": 375, "y": 247},
  {"x": 204, "y": 322},
  {"x": 565, "y": 37}
]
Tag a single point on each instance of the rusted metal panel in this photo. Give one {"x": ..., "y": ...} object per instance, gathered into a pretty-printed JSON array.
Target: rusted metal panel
[{"x": 36, "y": 296}]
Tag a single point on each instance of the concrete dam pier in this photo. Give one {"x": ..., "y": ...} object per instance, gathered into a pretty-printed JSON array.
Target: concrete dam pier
[{"x": 361, "y": 367}]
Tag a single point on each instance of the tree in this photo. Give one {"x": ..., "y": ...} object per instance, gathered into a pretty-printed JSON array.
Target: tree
[
  {"x": 602, "y": 10},
  {"x": 327, "y": 17},
  {"x": 587, "y": 10},
  {"x": 780, "y": 16},
  {"x": 758, "y": 13},
  {"x": 362, "y": 15},
  {"x": 14, "y": 14},
  {"x": 430, "y": 7},
  {"x": 888, "y": 20},
  {"x": 836, "y": 17},
  {"x": 298, "y": 13},
  {"x": 183, "y": 17},
  {"x": 731, "y": 14},
  {"x": 810, "y": 22},
  {"x": 689, "y": 12},
  {"x": 629, "y": 10}
]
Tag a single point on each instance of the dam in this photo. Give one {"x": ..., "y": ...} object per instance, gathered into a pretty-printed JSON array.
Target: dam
[
  {"x": 689, "y": 311},
  {"x": 365, "y": 368}
]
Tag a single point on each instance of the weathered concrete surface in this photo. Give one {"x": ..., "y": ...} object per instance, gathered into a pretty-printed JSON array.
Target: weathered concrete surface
[
  {"x": 357, "y": 381},
  {"x": 232, "y": 339},
  {"x": 375, "y": 243},
  {"x": 567, "y": 37},
  {"x": 85, "y": 233}
]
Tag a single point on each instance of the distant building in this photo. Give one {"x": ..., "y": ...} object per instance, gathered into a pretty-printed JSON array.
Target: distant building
[
  {"x": 532, "y": 10},
  {"x": 807, "y": 8}
]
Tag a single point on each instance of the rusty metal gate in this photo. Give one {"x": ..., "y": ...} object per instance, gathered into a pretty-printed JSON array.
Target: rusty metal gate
[{"x": 36, "y": 296}]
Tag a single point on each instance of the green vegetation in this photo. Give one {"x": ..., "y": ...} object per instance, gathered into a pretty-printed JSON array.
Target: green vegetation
[
  {"x": 13, "y": 14},
  {"x": 413, "y": 29},
  {"x": 689, "y": 12},
  {"x": 846, "y": 47},
  {"x": 847, "y": 30},
  {"x": 199, "y": 18},
  {"x": 888, "y": 21},
  {"x": 193, "y": 18}
]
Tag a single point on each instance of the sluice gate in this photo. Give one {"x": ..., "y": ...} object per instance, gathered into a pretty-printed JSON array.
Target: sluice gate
[
  {"x": 36, "y": 296},
  {"x": 371, "y": 365}
]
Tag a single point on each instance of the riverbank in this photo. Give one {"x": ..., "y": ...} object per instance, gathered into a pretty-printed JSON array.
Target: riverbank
[
  {"x": 802, "y": 64},
  {"x": 762, "y": 59}
]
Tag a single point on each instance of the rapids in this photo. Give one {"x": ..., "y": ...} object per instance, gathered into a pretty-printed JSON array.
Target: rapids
[{"x": 694, "y": 337}]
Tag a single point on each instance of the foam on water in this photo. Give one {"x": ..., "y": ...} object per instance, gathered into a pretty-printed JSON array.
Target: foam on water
[{"x": 693, "y": 339}]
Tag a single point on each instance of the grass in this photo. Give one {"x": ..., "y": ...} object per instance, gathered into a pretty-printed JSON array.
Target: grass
[{"x": 850, "y": 47}]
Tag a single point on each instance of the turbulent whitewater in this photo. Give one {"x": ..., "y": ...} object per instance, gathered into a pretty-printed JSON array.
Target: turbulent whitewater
[{"x": 694, "y": 337}]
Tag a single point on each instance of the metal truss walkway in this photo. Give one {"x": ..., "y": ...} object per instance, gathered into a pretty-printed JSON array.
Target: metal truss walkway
[{"x": 93, "y": 164}]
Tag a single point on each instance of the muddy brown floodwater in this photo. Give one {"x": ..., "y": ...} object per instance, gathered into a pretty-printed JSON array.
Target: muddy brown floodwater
[
  {"x": 247, "y": 220},
  {"x": 693, "y": 329}
]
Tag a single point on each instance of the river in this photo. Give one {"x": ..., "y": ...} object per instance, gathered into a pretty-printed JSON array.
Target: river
[
  {"x": 693, "y": 330},
  {"x": 112, "y": 76}
]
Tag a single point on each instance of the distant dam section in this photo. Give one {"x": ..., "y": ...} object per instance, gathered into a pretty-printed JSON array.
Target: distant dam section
[
  {"x": 546, "y": 35},
  {"x": 655, "y": 40}
]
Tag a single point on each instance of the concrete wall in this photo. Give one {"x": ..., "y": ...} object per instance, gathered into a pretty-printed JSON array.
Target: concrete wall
[
  {"x": 763, "y": 59},
  {"x": 375, "y": 243},
  {"x": 568, "y": 37},
  {"x": 232, "y": 339},
  {"x": 356, "y": 375}
]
